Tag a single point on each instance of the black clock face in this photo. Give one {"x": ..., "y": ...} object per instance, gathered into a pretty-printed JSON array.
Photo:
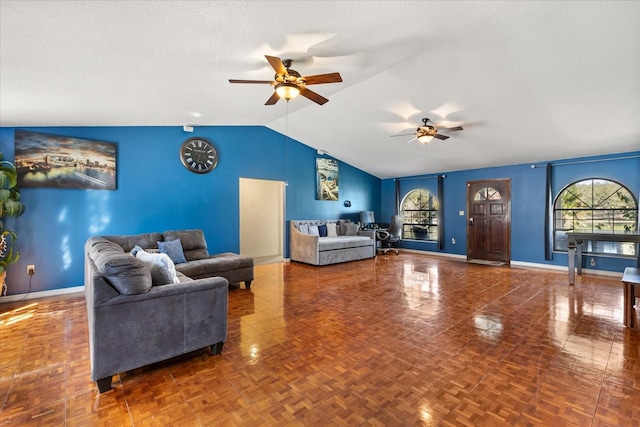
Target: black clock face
[{"x": 198, "y": 155}]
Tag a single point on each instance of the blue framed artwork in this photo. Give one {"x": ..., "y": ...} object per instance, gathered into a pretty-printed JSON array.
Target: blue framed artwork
[
  {"x": 55, "y": 161},
  {"x": 327, "y": 179}
]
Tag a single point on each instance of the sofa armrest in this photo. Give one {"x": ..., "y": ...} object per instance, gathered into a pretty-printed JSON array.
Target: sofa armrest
[{"x": 303, "y": 247}]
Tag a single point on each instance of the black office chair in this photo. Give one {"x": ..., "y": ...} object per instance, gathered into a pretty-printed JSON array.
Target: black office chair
[{"x": 389, "y": 238}]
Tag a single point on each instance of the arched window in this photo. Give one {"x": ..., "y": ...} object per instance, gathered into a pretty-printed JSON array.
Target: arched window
[
  {"x": 420, "y": 211},
  {"x": 593, "y": 205}
]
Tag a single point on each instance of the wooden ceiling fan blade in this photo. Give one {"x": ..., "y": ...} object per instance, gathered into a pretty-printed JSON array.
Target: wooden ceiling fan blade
[
  {"x": 440, "y": 136},
  {"x": 251, "y": 81},
  {"x": 452, "y": 129},
  {"x": 322, "y": 78},
  {"x": 277, "y": 65},
  {"x": 273, "y": 99},
  {"x": 318, "y": 99}
]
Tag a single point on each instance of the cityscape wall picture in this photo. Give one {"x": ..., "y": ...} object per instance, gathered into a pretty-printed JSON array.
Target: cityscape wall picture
[{"x": 55, "y": 161}]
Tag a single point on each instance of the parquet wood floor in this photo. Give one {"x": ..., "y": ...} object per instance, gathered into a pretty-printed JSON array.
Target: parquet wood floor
[{"x": 396, "y": 341}]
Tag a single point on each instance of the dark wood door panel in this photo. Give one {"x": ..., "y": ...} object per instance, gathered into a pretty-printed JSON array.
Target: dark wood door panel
[{"x": 489, "y": 222}]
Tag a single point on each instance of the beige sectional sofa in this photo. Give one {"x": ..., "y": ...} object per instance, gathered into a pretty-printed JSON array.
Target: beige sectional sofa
[{"x": 343, "y": 242}]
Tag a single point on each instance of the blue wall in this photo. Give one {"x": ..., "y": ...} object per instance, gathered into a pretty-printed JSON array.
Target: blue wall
[
  {"x": 527, "y": 202},
  {"x": 156, "y": 193}
]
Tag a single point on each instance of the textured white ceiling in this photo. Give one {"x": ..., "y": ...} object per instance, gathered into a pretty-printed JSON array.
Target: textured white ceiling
[{"x": 529, "y": 81}]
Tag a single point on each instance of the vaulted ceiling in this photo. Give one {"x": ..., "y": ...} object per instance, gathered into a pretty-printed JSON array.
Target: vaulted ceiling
[{"x": 528, "y": 81}]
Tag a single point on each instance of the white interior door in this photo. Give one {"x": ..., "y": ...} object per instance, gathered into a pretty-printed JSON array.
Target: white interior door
[{"x": 262, "y": 219}]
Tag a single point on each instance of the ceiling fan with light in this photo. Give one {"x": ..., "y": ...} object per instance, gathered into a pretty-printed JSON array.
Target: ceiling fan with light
[
  {"x": 427, "y": 132},
  {"x": 288, "y": 83}
]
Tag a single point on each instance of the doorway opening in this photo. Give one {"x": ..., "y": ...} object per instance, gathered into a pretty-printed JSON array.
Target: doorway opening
[{"x": 262, "y": 205}]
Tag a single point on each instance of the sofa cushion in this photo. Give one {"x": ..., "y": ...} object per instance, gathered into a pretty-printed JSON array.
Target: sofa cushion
[
  {"x": 332, "y": 230},
  {"x": 322, "y": 230},
  {"x": 313, "y": 230},
  {"x": 351, "y": 229},
  {"x": 217, "y": 263},
  {"x": 194, "y": 245},
  {"x": 303, "y": 228},
  {"x": 342, "y": 227},
  {"x": 128, "y": 275},
  {"x": 173, "y": 248},
  {"x": 162, "y": 269}
]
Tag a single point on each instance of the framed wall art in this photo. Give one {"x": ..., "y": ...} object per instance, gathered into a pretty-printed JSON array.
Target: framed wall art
[
  {"x": 327, "y": 179},
  {"x": 55, "y": 161}
]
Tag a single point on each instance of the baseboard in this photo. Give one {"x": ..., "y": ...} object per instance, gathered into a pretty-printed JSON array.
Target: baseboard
[{"x": 41, "y": 294}]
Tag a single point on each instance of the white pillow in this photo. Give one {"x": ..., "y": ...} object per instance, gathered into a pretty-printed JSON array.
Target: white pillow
[
  {"x": 331, "y": 229},
  {"x": 163, "y": 270},
  {"x": 313, "y": 230},
  {"x": 303, "y": 228}
]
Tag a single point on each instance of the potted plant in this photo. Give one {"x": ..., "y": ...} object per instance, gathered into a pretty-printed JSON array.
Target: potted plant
[{"x": 10, "y": 206}]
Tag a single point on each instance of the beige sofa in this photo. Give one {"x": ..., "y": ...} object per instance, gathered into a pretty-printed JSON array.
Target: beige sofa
[{"x": 346, "y": 243}]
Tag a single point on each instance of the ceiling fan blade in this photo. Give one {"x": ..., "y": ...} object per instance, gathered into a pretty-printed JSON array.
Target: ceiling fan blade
[
  {"x": 318, "y": 99},
  {"x": 412, "y": 139},
  {"x": 452, "y": 129},
  {"x": 277, "y": 65},
  {"x": 251, "y": 81},
  {"x": 403, "y": 134},
  {"x": 274, "y": 98},
  {"x": 322, "y": 78},
  {"x": 440, "y": 136}
]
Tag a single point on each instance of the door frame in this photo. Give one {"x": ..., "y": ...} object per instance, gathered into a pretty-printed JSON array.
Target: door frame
[{"x": 507, "y": 232}]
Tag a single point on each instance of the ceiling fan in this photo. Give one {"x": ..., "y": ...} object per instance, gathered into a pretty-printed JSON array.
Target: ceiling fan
[
  {"x": 289, "y": 83},
  {"x": 427, "y": 132}
]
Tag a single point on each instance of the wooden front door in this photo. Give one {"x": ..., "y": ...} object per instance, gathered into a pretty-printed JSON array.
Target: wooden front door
[{"x": 489, "y": 220}]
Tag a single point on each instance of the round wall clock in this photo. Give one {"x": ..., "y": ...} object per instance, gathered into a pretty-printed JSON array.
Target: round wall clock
[{"x": 198, "y": 155}]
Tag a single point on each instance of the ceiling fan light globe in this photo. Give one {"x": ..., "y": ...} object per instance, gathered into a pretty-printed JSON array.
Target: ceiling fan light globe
[
  {"x": 287, "y": 90},
  {"x": 425, "y": 139}
]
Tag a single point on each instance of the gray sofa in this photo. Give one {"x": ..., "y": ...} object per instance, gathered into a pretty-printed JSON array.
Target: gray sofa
[
  {"x": 136, "y": 318},
  {"x": 346, "y": 244}
]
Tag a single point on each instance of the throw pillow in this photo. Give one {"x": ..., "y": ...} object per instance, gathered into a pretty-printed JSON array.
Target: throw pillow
[
  {"x": 304, "y": 228},
  {"x": 313, "y": 230},
  {"x": 162, "y": 269},
  {"x": 322, "y": 230},
  {"x": 173, "y": 248},
  {"x": 332, "y": 230},
  {"x": 351, "y": 229},
  {"x": 135, "y": 250},
  {"x": 342, "y": 227}
]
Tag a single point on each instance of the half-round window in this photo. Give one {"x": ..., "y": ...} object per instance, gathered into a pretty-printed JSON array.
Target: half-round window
[
  {"x": 595, "y": 205},
  {"x": 487, "y": 193},
  {"x": 420, "y": 211}
]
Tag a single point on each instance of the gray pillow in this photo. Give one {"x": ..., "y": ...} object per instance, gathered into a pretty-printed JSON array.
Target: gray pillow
[
  {"x": 127, "y": 274},
  {"x": 351, "y": 229}
]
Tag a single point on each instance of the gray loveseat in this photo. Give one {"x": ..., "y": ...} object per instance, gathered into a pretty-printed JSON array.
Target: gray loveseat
[
  {"x": 135, "y": 319},
  {"x": 343, "y": 242}
]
